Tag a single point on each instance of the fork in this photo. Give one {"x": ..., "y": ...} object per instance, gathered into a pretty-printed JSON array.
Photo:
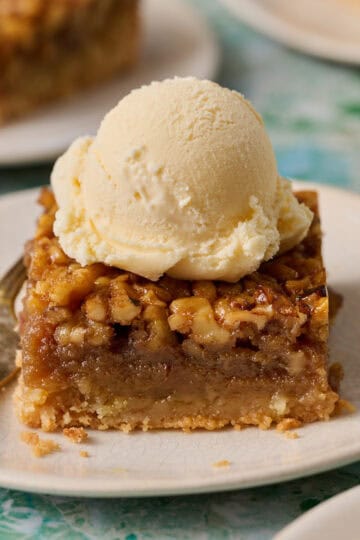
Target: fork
[{"x": 10, "y": 285}]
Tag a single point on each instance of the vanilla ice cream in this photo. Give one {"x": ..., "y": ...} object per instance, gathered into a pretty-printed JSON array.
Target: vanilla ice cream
[{"x": 181, "y": 179}]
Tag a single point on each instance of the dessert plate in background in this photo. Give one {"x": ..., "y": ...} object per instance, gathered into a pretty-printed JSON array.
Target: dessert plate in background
[
  {"x": 173, "y": 462},
  {"x": 326, "y": 28},
  {"x": 336, "y": 518},
  {"x": 176, "y": 41}
]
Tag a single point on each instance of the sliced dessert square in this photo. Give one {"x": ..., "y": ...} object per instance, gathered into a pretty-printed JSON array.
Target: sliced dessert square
[{"x": 104, "y": 348}]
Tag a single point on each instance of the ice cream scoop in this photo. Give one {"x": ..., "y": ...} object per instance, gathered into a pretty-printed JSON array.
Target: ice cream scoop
[{"x": 181, "y": 179}]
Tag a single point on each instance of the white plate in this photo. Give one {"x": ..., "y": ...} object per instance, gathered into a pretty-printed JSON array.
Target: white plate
[
  {"x": 176, "y": 41},
  {"x": 325, "y": 28},
  {"x": 339, "y": 517},
  {"x": 174, "y": 462}
]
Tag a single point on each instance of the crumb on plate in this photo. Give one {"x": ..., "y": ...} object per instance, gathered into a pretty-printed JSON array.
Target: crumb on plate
[
  {"x": 84, "y": 454},
  {"x": 291, "y": 434},
  {"x": 288, "y": 424},
  {"x": 39, "y": 447},
  {"x": 76, "y": 435},
  {"x": 222, "y": 463}
]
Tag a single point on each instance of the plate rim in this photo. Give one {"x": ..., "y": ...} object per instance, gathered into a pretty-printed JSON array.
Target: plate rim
[
  {"x": 263, "y": 21},
  {"x": 88, "y": 487},
  {"x": 303, "y": 521}
]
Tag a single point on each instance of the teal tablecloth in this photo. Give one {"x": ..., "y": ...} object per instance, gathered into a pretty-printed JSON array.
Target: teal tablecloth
[{"x": 312, "y": 111}]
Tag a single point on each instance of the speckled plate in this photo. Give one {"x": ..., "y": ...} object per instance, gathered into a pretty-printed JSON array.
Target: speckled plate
[
  {"x": 176, "y": 41},
  {"x": 326, "y": 28},
  {"x": 159, "y": 463}
]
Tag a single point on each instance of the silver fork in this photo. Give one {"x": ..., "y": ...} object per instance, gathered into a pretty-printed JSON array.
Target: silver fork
[{"x": 10, "y": 285}]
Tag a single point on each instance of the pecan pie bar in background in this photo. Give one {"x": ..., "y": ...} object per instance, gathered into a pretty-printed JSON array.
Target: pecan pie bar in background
[
  {"x": 175, "y": 281},
  {"x": 50, "y": 49}
]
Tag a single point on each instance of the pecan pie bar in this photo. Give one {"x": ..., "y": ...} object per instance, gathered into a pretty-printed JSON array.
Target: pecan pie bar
[
  {"x": 108, "y": 349},
  {"x": 51, "y": 48}
]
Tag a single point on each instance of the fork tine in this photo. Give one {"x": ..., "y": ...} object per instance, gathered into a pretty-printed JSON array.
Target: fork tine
[
  {"x": 15, "y": 268},
  {"x": 7, "y": 286},
  {"x": 19, "y": 270},
  {"x": 12, "y": 280}
]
